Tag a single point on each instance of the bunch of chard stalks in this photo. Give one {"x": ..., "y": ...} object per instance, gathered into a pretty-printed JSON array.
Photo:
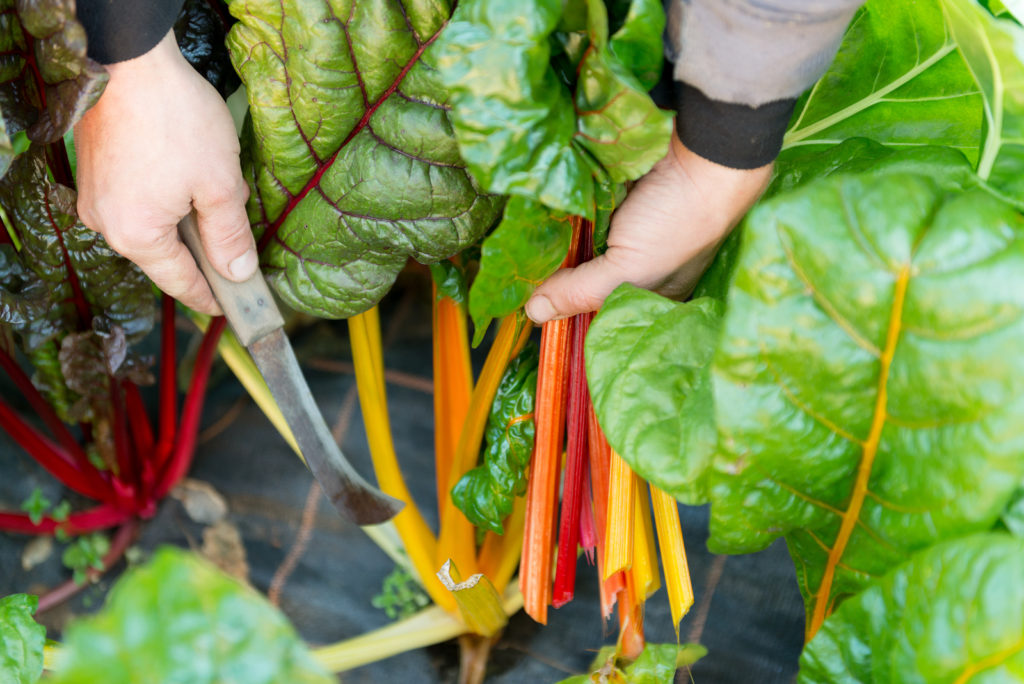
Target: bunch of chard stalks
[{"x": 605, "y": 507}]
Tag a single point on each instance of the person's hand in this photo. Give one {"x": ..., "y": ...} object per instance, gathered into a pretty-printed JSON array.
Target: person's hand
[
  {"x": 663, "y": 237},
  {"x": 159, "y": 141}
]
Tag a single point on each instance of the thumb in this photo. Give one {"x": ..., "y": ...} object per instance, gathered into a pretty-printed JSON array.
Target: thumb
[
  {"x": 572, "y": 291},
  {"x": 226, "y": 235}
]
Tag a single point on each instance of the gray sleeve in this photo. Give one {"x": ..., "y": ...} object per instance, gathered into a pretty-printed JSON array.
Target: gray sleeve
[{"x": 752, "y": 52}]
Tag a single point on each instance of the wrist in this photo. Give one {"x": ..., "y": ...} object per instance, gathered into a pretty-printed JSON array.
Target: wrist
[
  {"x": 729, "y": 186},
  {"x": 162, "y": 59}
]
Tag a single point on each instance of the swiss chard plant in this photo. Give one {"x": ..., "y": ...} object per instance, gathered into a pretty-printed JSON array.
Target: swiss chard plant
[
  {"x": 849, "y": 380},
  {"x": 72, "y": 311}
]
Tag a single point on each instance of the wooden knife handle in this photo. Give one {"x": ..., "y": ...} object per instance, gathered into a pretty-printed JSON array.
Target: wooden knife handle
[{"x": 248, "y": 306}]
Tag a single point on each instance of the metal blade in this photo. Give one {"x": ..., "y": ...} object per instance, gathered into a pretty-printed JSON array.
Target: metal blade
[{"x": 353, "y": 496}]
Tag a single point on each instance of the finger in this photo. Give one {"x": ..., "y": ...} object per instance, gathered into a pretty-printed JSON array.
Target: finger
[
  {"x": 224, "y": 229},
  {"x": 169, "y": 264},
  {"x": 572, "y": 291}
]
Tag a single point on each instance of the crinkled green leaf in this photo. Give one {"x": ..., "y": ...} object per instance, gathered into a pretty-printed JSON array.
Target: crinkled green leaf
[
  {"x": 512, "y": 115},
  {"x": 178, "y": 619},
  {"x": 953, "y": 613},
  {"x": 520, "y": 129},
  {"x": 1013, "y": 516},
  {"x": 200, "y": 31},
  {"x": 21, "y": 640},
  {"x": 656, "y": 664},
  {"x": 618, "y": 123},
  {"x": 859, "y": 461},
  {"x": 42, "y": 60},
  {"x": 352, "y": 158},
  {"x": 897, "y": 79},
  {"x": 994, "y": 52},
  {"x": 647, "y": 366},
  {"x": 486, "y": 494},
  {"x": 528, "y": 245}
]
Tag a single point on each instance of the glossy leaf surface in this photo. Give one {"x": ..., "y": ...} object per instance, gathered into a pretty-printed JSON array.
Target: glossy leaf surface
[
  {"x": 897, "y": 79},
  {"x": 351, "y": 156},
  {"x": 64, "y": 279},
  {"x": 487, "y": 493},
  {"x": 528, "y": 245},
  {"x": 867, "y": 390},
  {"x": 520, "y": 128},
  {"x": 647, "y": 366},
  {"x": 200, "y": 31},
  {"x": 21, "y": 640},
  {"x": 178, "y": 619},
  {"x": 994, "y": 52},
  {"x": 953, "y": 613}
]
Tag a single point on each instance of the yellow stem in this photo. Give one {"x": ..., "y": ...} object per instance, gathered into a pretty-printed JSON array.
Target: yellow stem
[
  {"x": 621, "y": 512},
  {"x": 645, "y": 556},
  {"x": 419, "y": 540},
  {"x": 673, "y": 555}
]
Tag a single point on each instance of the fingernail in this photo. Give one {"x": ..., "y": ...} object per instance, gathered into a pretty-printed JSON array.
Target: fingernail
[
  {"x": 244, "y": 266},
  {"x": 540, "y": 309}
]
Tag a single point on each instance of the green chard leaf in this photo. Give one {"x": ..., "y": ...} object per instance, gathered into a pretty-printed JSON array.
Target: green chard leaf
[
  {"x": 450, "y": 280},
  {"x": 486, "y": 494},
  {"x": 638, "y": 42},
  {"x": 21, "y": 640},
  {"x": 953, "y": 613},
  {"x": 43, "y": 48},
  {"x": 897, "y": 79},
  {"x": 528, "y": 245},
  {"x": 178, "y": 619},
  {"x": 994, "y": 51},
  {"x": 648, "y": 369},
  {"x": 868, "y": 392},
  {"x": 521, "y": 130},
  {"x": 350, "y": 151}
]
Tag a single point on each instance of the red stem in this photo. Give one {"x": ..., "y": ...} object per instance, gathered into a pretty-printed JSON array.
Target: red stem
[
  {"x": 142, "y": 437},
  {"x": 588, "y": 528},
  {"x": 168, "y": 380},
  {"x": 42, "y": 407},
  {"x": 184, "y": 444},
  {"x": 99, "y": 518},
  {"x": 122, "y": 447},
  {"x": 122, "y": 540},
  {"x": 575, "y": 468},
  {"x": 577, "y": 413},
  {"x": 52, "y": 457}
]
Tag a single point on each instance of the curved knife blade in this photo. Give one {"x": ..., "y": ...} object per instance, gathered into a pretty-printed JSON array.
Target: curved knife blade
[{"x": 253, "y": 315}]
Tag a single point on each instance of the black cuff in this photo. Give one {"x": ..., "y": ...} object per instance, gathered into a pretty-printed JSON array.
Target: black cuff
[
  {"x": 733, "y": 135},
  {"x": 122, "y": 29}
]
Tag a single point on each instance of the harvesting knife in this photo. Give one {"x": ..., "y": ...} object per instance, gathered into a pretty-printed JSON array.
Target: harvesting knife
[{"x": 253, "y": 315}]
